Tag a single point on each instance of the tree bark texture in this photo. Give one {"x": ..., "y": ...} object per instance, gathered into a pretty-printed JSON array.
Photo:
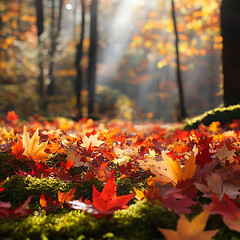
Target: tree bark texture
[
  {"x": 79, "y": 54},
  {"x": 179, "y": 78},
  {"x": 230, "y": 30},
  {"x": 55, "y": 32},
  {"x": 40, "y": 29},
  {"x": 92, "y": 57}
]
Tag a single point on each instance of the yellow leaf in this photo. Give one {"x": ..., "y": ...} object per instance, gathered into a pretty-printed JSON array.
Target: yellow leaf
[
  {"x": 169, "y": 170},
  {"x": 190, "y": 167},
  {"x": 33, "y": 149},
  {"x": 92, "y": 140},
  {"x": 193, "y": 230},
  {"x": 174, "y": 171}
]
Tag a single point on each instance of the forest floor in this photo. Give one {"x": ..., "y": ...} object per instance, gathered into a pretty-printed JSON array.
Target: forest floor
[{"x": 118, "y": 180}]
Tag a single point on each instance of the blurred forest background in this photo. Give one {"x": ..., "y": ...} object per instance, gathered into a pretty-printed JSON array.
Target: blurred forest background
[{"x": 40, "y": 56}]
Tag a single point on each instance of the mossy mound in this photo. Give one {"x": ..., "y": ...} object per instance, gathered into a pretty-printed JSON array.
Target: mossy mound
[
  {"x": 221, "y": 114},
  {"x": 140, "y": 221}
]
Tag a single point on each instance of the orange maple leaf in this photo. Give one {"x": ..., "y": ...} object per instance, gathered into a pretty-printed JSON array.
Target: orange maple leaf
[
  {"x": 33, "y": 149},
  {"x": 64, "y": 197},
  {"x": 151, "y": 194},
  {"x": 169, "y": 170},
  {"x": 17, "y": 148},
  {"x": 190, "y": 230}
]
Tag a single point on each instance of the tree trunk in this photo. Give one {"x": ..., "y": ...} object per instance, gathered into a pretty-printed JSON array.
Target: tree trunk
[
  {"x": 230, "y": 30},
  {"x": 179, "y": 78},
  {"x": 92, "y": 57},
  {"x": 40, "y": 29},
  {"x": 39, "y": 12},
  {"x": 79, "y": 54},
  {"x": 51, "y": 86},
  {"x": 54, "y": 36}
]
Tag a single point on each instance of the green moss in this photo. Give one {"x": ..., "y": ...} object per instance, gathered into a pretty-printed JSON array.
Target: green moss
[
  {"x": 139, "y": 221},
  {"x": 19, "y": 188},
  {"x": 223, "y": 115},
  {"x": 126, "y": 185},
  {"x": 84, "y": 189}
]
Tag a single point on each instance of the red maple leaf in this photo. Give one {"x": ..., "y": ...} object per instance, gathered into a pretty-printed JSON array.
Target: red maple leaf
[
  {"x": 105, "y": 202},
  {"x": 68, "y": 164},
  {"x": 40, "y": 170},
  {"x": 20, "y": 211},
  {"x": 203, "y": 157},
  {"x": 12, "y": 117},
  {"x": 227, "y": 208},
  {"x": 178, "y": 202}
]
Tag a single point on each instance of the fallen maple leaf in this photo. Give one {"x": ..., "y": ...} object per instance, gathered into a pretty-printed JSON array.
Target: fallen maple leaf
[
  {"x": 102, "y": 171},
  {"x": 178, "y": 202},
  {"x": 224, "y": 155},
  {"x": 151, "y": 194},
  {"x": 40, "y": 170},
  {"x": 64, "y": 197},
  {"x": 77, "y": 158},
  {"x": 33, "y": 149},
  {"x": 17, "y": 148},
  {"x": 203, "y": 156},
  {"x": 68, "y": 164},
  {"x": 216, "y": 185},
  {"x": 106, "y": 202},
  {"x": 91, "y": 141},
  {"x": 49, "y": 204},
  {"x": 169, "y": 170},
  {"x": 12, "y": 117},
  {"x": 234, "y": 222},
  {"x": 193, "y": 230},
  {"x": 20, "y": 211},
  {"x": 226, "y": 208}
]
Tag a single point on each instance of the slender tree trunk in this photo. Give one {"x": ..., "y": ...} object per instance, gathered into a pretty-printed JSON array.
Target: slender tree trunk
[
  {"x": 55, "y": 32},
  {"x": 39, "y": 12},
  {"x": 179, "y": 78},
  {"x": 79, "y": 54},
  {"x": 51, "y": 86},
  {"x": 40, "y": 29},
  {"x": 92, "y": 57},
  {"x": 230, "y": 29}
]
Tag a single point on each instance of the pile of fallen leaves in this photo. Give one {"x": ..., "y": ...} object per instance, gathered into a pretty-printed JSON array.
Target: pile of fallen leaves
[{"x": 186, "y": 170}]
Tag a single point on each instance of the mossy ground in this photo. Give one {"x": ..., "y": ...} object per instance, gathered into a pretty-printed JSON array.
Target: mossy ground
[
  {"x": 220, "y": 114},
  {"x": 140, "y": 221}
]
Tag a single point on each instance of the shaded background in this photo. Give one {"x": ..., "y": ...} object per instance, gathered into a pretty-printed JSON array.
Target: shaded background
[{"x": 136, "y": 69}]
